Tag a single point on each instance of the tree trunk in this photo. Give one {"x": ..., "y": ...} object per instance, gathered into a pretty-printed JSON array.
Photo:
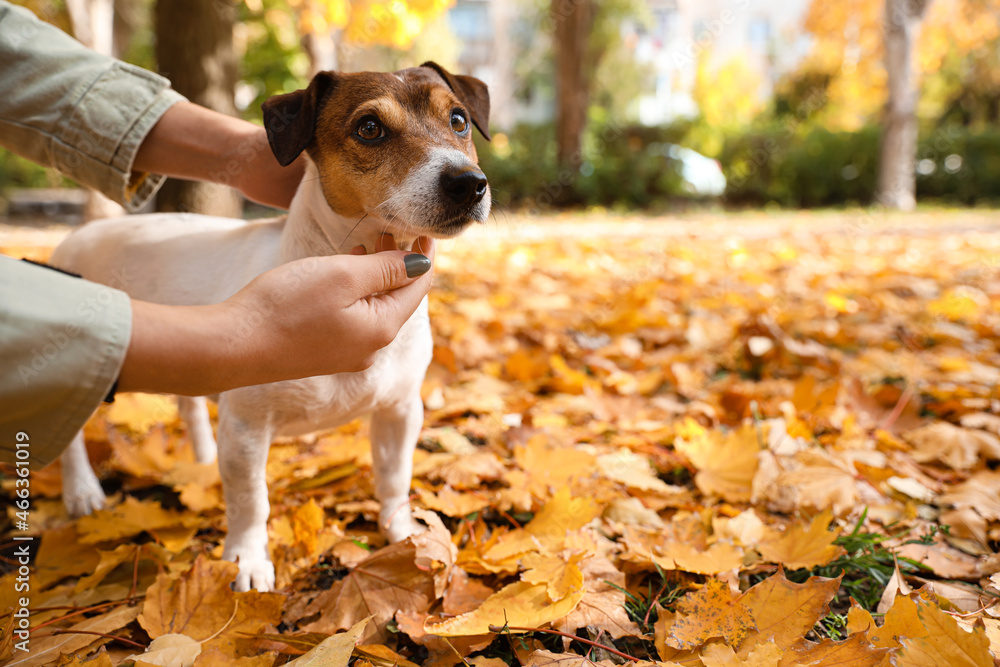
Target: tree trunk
[
  {"x": 322, "y": 52},
  {"x": 502, "y": 57},
  {"x": 194, "y": 49},
  {"x": 573, "y": 21},
  {"x": 93, "y": 25},
  {"x": 897, "y": 181}
]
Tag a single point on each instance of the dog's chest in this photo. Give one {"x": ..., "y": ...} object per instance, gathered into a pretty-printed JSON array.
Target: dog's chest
[{"x": 312, "y": 404}]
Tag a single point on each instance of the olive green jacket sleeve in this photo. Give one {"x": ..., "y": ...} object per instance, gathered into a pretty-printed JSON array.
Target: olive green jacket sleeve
[
  {"x": 62, "y": 344},
  {"x": 85, "y": 114}
]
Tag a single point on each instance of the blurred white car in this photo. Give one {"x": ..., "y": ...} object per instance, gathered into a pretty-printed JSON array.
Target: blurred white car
[{"x": 701, "y": 175}]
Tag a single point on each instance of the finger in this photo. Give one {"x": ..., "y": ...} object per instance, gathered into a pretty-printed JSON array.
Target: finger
[
  {"x": 385, "y": 242},
  {"x": 425, "y": 245},
  {"x": 385, "y": 271},
  {"x": 359, "y": 250}
]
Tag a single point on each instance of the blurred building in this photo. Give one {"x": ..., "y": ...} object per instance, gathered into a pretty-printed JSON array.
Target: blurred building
[{"x": 766, "y": 34}]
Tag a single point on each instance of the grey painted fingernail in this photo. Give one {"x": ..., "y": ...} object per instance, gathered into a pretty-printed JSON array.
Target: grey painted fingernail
[{"x": 416, "y": 265}]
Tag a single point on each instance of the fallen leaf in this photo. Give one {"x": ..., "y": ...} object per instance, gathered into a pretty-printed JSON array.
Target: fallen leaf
[
  {"x": 785, "y": 611},
  {"x": 334, "y": 651},
  {"x": 45, "y": 648},
  {"x": 519, "y": 604},
  {"x": 726, "y": 463},
  {"x": 603, "y": 604},
  {"x": 945, "y": 643},
  {"x": 802, "y": 547},
  {"x": 170, "y": 651},
  {"x": 956, "y": 447},
  {"x": 710, "y": 612},
  {"x": 549, "y": 527},
  {"x": 128, "y": 518},
  {"x": 720, "y": 655},
  {"x": 855, "y": 651},
  {"x": 200, "y": 604}
]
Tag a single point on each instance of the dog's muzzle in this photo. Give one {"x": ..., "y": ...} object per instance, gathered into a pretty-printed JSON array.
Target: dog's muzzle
[{"x": 464, "y": 188}]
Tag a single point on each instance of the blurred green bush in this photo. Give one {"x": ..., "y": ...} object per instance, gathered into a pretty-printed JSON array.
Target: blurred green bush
[{"x": 791, "y": 165}]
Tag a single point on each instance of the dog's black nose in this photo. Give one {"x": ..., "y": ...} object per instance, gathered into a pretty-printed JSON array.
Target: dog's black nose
[{"x": 464, "y": 187}]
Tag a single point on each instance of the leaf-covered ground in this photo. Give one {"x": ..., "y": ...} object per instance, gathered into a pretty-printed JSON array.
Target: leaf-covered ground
[{"x": 718, "y": 442}]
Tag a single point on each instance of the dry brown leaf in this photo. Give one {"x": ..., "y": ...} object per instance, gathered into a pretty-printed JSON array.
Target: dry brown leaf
[
  {"x": 46, "y": 647},
  {"x": 464, "y": 593},
  {"x": 956, "y": 447},
  {"x": 387, "y": 582},
  {"x": 855, "y": 651},
  {"x": 200, "y": 604}
]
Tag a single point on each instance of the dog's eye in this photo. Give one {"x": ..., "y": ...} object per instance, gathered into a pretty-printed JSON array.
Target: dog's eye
[
  {"x": 370, "y": 129},
  {"x": 458, "y": 122}
]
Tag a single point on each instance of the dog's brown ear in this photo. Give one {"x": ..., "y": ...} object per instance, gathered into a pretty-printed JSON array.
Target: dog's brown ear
[
  {"x": 290, "y": 119},
  {"x": 472, "y": 92}
]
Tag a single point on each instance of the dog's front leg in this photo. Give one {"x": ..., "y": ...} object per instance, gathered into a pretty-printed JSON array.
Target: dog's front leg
[
  {"x": 394, "y": 437},
  {"x": 82, "y": 492},
  {"x": 243, "y": 448}
]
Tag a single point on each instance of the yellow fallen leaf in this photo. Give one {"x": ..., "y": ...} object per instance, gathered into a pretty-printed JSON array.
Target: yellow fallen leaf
[
  {"x": 726, "y": 463},
  {"x": 334, "y": 651},
  {"x": 519, "y": 604},
  {"x": 549, "y": 528},
  {"x": 128, "y": 518},
  {"x": 710, "y": 612},
  {"x": 785, "y": 611},
  {"x": 802, "y": 547},
  {"x": 169, "y": 651},
  {"x": 561, "y": 576},
  {"x": 716, "y": 654},
  {"x": 945, "y": 642}
]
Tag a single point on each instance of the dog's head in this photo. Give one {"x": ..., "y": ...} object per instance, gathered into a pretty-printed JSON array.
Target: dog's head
[{"x": 394, "y": 146}]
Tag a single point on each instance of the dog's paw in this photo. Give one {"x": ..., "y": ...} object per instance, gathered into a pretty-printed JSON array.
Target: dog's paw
[
  {"x": 83, "y": 497},
  {"x": 403, "y": 527},
  {"x": 256, "y": 571}
]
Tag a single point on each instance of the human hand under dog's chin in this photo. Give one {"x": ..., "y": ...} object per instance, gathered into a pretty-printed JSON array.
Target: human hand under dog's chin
[
  {"x": 314, "y": 316},
  {"x": 335, "y": 313}
]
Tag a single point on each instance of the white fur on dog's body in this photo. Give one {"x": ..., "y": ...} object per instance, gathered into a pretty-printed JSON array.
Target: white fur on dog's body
[{"x": 182, "y": 259}]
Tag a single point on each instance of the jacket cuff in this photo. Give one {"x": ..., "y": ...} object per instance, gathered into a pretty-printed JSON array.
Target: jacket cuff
[{"x": 108, "y": 125}]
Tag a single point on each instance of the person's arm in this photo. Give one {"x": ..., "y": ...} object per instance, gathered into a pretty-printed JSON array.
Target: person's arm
[
  {"x": 199, "y": 144},
  {"x": 286, "y": 324},
  {"x": 66, "y": 340},
  {"x": 118, "y": 128},
  {"x": 70, "y": 108}
]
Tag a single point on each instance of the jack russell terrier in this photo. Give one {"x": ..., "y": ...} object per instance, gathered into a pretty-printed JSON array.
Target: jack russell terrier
[{"x": 385, "y": 152}]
